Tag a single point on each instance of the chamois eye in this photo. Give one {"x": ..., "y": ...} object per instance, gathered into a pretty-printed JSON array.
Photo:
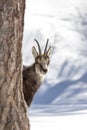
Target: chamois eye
[
  {"x": 46, "y": 57},
  {"x": 38, "y": 60}
]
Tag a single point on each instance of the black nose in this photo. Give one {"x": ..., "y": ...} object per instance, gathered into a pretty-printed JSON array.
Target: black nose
[{"x": 45, "y": 70}]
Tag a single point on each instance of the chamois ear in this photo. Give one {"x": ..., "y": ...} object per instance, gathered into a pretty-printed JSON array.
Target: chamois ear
[
  {"x": 49, "y": 52},
  {"x": 34, "y": 52}
]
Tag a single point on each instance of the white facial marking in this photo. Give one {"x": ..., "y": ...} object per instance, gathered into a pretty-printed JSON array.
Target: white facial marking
[{"x": 41, "y": 75}]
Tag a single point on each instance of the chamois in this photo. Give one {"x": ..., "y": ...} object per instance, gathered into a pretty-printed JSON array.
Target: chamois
[{"x": 34, "y": 75}]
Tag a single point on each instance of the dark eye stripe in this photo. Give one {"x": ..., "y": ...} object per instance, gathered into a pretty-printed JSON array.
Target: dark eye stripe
[
  {"x": 41, "y": 66},
  {"x": 48, "y": 62}
]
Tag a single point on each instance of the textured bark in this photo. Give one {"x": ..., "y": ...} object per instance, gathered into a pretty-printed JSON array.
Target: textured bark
[{"x": 12, "y": 108}]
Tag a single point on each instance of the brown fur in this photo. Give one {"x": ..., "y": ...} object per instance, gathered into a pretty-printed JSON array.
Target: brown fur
[{"x": 31, "y": 82}]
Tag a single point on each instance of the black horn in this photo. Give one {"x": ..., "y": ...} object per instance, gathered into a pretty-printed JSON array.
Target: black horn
[
  {"x": 38, "y": 46},
  {"x": 46, "y": 46}
]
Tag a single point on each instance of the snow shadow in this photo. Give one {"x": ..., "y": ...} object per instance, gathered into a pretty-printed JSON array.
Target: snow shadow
[
  {"x": 57, "y": 110},
  {"x": 67, "y": 104},
  {"x": 65, "y": 91}
]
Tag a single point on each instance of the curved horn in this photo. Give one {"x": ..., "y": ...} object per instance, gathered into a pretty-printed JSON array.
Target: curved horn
[
  {"x": 46, "y": 46},
  {"x": 38, "y": 46}
]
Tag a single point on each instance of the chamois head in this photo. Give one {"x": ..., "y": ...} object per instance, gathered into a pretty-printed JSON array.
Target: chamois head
[{"x": 41, "y": 59}]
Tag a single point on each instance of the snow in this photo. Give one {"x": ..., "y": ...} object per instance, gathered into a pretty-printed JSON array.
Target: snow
[
  {"x": 57, "y": 110},
  {"x": 58, "y": 117},
  {"x": 71, "y": 122}
]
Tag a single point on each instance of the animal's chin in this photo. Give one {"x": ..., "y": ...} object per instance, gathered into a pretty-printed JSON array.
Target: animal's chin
[{"x": 43, "y": 72}]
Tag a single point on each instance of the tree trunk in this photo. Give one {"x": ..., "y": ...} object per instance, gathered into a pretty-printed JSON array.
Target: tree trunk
[{"x": 12, "y": 107}]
